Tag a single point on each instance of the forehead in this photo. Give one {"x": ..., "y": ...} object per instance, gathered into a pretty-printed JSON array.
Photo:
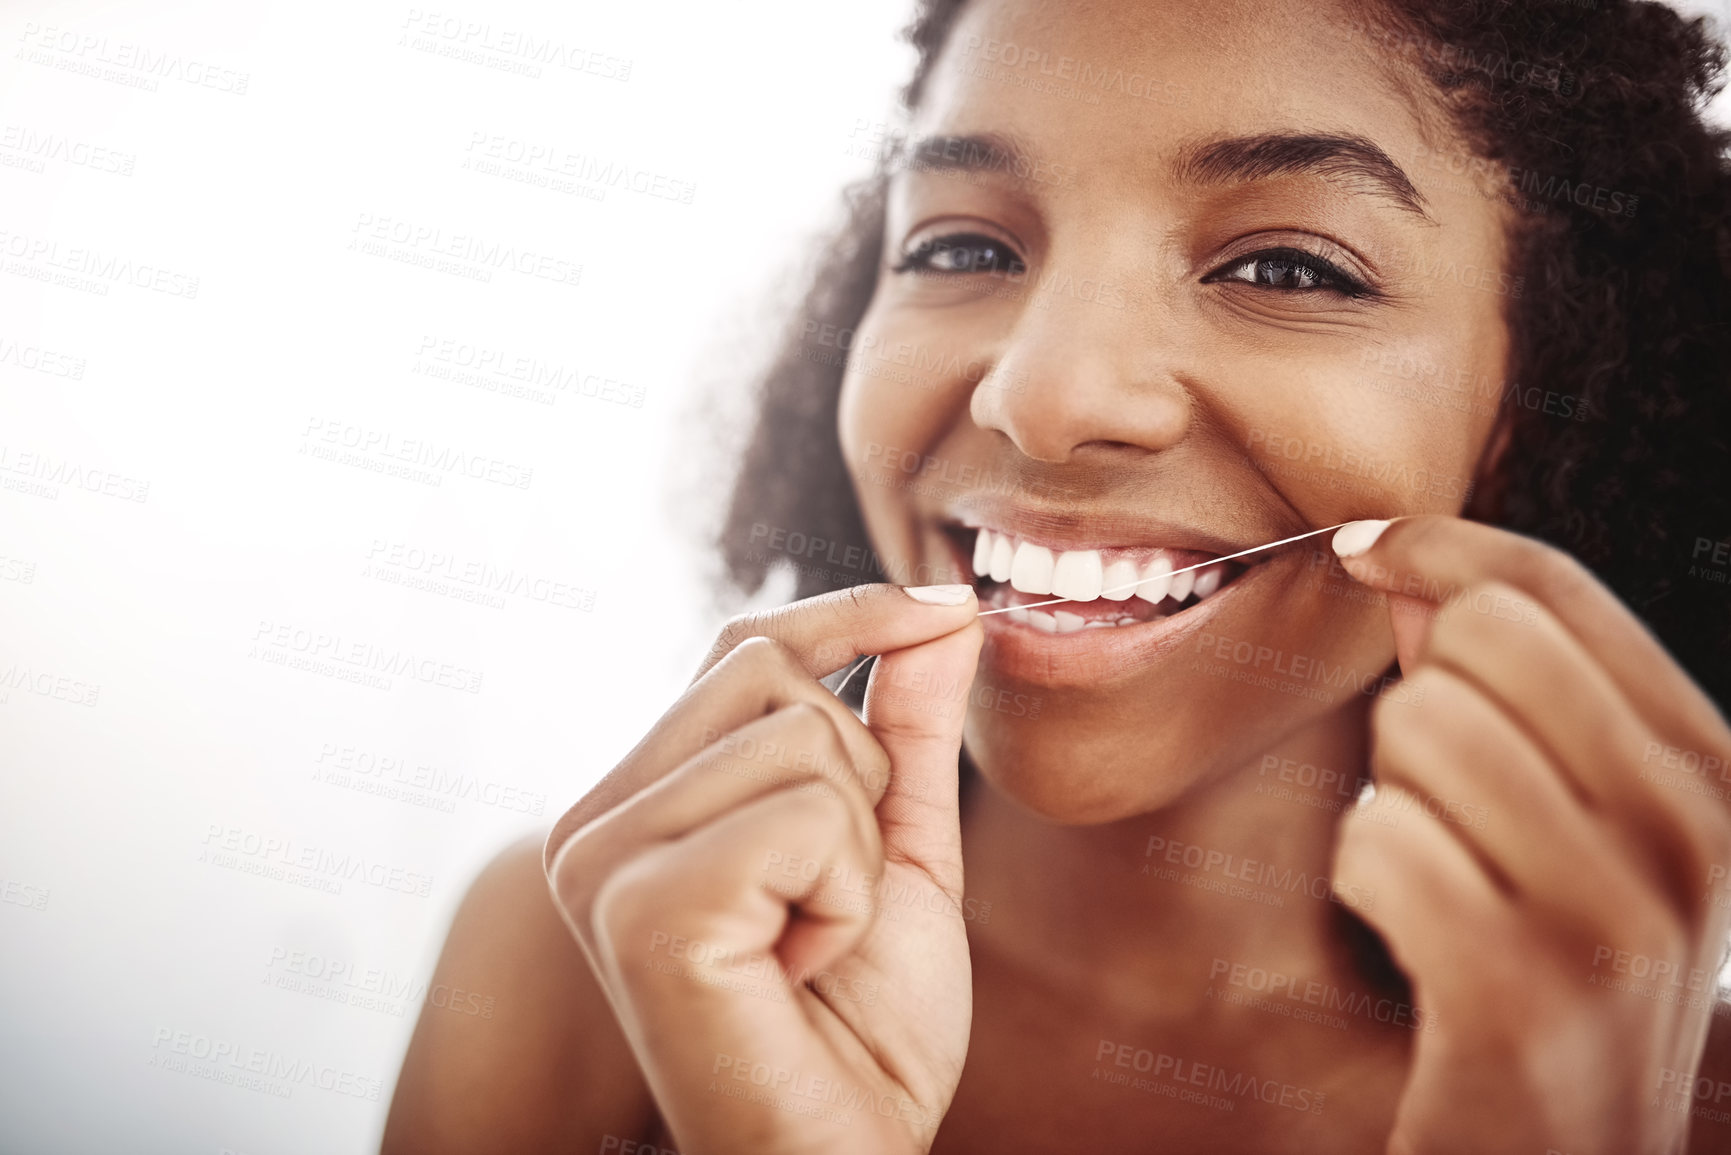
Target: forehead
[{"x": 1126, "y": 83}]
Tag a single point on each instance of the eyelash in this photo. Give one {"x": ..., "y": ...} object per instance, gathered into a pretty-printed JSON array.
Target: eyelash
[
  {"x": 919, "y": 259},
  {"x": 1328, "y": 277}
]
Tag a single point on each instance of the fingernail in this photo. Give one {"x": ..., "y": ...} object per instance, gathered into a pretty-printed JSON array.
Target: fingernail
[
  {"x": 940, "y": 595},
  {"x": 1356, "y": 537}
]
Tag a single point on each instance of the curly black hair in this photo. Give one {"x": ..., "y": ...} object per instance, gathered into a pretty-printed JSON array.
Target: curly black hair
[{"x": 1592, "y": 112}]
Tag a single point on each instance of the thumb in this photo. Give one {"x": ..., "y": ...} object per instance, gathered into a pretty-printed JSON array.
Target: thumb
[
  {"x": 1410, "y": 619},
  {"x": 915, "y": 706}
]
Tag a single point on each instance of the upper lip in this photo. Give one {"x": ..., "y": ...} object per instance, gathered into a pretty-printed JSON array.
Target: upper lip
[{"x": 1103, "y": 529}]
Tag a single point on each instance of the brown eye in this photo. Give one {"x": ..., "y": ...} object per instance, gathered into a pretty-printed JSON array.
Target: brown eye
[
  {"x": 963, "y": 253},
  {"x": 1290, "y": 270}
]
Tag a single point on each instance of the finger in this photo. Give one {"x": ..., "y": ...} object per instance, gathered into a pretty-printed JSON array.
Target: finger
[
  {"x": 758, "y": 677},
  {"x": 915, "y": 705},
  {"x": 689, "y": 1021},
  {"x": 1431, "y": 894},
  {"x": 827, "y": 632},
  {"x": 800, "y": 642},
  {"x": 1410, "y": 618},
  {"x": 1467, "y": 765},
  {"x": 1447, "y": 560},
  {"x": 1542, "y": 678},
  {"x": 725, "y": 882},
  {"x": 703, "y": 789}
]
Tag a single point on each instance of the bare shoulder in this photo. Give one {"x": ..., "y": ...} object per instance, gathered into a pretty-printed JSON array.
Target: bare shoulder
[
  {"x": 524, "y": 1054},
  {"x": 1710, "y": 1097}
]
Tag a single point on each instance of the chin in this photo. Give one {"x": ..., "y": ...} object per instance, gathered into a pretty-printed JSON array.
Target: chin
[{"x": 1069, "y": 776}]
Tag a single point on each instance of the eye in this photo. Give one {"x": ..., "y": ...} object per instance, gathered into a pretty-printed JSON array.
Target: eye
[
  {"x": 1292, "y": 271},
  {"x": 962, "y": 253}
]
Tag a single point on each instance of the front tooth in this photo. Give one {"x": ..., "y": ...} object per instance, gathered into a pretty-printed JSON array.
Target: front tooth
[
  {"x": 1207, "y": 581},
  {"x": 1002, "y": 552},
  {"x": 1119, "y": 580},
  {"x": 1078, "y": 575},
  {"x": 1043, "y": 621},
  {"x": 1156, "y": 580},
  {"x": 1031, "y": 571},
  {"x": 1069, "y": 623},
  {"x": 983, "y": 553},
  {"x": 1018, "y": 614},
  {"x": 1182, "y": 584}
]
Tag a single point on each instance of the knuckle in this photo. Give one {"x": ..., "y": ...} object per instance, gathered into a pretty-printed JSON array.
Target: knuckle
[
  {"x": 812, "y": 754},
  {"x": 557, "y": 838},
  {"x": 835, "y": 813},
  {"x": 574, "y": 876},
  {"x": 832, "y": 654},
  {"x": 833, "y": 794},
  {"x": 625, "y": 901},
  {"x": 810, "y": 726},
  {"x": 734, "y": 631},
  {"x": 1560, "y": 575},
  {"x": 763, "y": 653},
  {"x": 874, "y": 767},
  {"x": 1446, "y": 698},
  {"x": 807, "y": 720},
  {"x": 859, "y": 597}
]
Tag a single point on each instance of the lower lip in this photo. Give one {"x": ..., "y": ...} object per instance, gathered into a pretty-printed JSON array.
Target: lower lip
[{"x": 1092, "y": 658}]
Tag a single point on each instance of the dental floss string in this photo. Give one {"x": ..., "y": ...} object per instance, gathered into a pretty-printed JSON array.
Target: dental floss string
[
  {"x": 1158, "y": 576},
  {"x": 858, "y": 666}
]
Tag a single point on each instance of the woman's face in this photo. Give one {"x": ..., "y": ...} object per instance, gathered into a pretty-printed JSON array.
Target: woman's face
[{"x": 1162, "y": 282}]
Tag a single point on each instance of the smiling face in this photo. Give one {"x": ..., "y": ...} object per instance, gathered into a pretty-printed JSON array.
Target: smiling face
[{"x": 1162, "y": 282}]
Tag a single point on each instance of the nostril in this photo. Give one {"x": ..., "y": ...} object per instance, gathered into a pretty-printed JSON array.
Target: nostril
[{"x": 1115, "y": 447}]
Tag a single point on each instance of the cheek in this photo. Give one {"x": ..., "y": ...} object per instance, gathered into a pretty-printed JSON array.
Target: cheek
[
  {"x": 881, "y": 442},
  {"x": 902, "y": 395},
  {"x": 868, "y": 426},
  {"x": 1394, "y": 426},
  {"x": 874, "y": 446},
  {"x": 1427, "y": 406}
]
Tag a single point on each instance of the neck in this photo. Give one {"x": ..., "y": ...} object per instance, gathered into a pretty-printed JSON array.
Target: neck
[{"x": 1147, "y": 913}]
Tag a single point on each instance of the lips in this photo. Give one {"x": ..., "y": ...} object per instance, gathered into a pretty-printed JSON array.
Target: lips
[{"x": 1107, "y": 587}]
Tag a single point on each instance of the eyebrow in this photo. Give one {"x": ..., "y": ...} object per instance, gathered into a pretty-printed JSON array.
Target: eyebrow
[
  {"x": 1229, "y": 160},
  {"x": 1239, "y": 159},
  {"x": 969, "y": 152}
]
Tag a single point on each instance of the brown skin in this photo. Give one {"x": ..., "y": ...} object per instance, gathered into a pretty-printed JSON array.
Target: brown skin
[
  {"x": 1166, "y": 409},
  {"x": 1163, "y": 410}
]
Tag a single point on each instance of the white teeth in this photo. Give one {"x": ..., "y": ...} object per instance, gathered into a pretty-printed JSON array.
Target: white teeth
[
  {"x": 1181, "y": 585},
  {"x": 1207, "y": 581},
  {"x": 1031, "y": 571},
  {"x": 1078, "y": 575},
  {"x": 1119, "y": 580},
  {"x": 1081, "y": 575},
  {"x": 1018, "y": 614},
  {"x": 1157, "y": 580}
]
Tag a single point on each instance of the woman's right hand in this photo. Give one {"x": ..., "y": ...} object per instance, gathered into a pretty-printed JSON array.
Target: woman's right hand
[{"x": 770, "y": 890}]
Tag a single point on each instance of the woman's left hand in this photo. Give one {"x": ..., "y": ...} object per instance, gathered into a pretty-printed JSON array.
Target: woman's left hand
[{"x": 1550, "y": 849}]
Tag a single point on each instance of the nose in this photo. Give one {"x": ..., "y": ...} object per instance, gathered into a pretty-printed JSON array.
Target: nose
[{"x": 1078, "y": 374}]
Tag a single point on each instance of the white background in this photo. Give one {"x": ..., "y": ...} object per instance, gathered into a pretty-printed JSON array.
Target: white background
[{"x": 171, "y": 612}]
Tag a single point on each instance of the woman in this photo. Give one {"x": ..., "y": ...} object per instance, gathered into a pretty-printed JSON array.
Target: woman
[{"x": 1148, "y": 285}]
